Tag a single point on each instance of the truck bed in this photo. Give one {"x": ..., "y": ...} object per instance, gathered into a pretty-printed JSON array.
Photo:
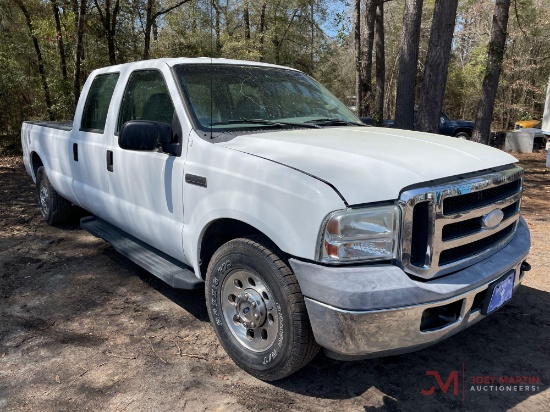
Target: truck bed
[
  {"x": 50, "y": 141},
  {"x": 62, "y": 125}
]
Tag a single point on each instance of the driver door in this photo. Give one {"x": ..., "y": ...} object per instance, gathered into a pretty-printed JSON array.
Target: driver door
[{"x": 147, "y": 185}]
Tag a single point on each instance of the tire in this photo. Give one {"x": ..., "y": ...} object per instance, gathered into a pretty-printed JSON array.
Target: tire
[
  {"x": 462, "y": 135},
  {"x": 257, "y": 309},
  {"x": 54, "y": 208}
]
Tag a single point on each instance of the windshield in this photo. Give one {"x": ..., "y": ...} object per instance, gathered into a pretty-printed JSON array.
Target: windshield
[{"x": 238, "y": 97}]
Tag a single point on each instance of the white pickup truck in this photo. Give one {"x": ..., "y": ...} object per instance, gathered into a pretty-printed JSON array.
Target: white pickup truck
[{"x": 307, "y": 228}]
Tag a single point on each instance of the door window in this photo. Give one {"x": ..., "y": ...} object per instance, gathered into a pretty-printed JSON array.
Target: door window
[
  {"x": 146, "y": 98},
  {"x": 97, "y": 103}
]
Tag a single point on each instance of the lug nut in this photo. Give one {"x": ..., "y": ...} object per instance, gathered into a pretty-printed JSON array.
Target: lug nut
[
  {"x": 254, "y": 304},
  {"x": 256, "y": 316},
  {"x": 253, "y": 324}
]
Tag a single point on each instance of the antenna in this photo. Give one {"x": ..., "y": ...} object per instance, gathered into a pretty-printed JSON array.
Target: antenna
[{"x": 211, "y": 63}]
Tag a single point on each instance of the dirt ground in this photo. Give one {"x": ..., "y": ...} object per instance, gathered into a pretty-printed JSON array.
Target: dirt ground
[{"x": 83, "y": 328}]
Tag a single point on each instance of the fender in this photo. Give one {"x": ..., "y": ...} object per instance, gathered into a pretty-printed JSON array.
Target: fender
[{"x": 285, "y": 204}]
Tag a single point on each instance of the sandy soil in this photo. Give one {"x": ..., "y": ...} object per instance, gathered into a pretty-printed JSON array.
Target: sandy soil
[{"x": 82, "y": 328}]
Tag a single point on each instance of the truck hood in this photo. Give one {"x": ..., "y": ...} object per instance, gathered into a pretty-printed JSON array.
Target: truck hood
[{"x": 370, "y": 164}]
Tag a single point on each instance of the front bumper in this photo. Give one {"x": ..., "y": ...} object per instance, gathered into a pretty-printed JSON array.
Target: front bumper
[{"x": 370, "y": 311}]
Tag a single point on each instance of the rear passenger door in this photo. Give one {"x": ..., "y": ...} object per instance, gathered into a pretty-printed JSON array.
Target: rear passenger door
[
  {"x": 89, "y": 143},
  {"x": 147, "y": 186}
]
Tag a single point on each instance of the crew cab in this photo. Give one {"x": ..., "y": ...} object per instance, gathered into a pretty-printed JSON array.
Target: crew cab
[{"x": 306, "y": 228}]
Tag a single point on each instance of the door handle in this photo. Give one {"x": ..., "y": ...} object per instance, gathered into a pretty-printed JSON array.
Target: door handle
[
  {"x": 109, "y": 160},
  {"x": 75, "y": 152}
]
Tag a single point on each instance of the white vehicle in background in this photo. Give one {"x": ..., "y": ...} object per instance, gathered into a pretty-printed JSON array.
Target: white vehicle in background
[{"x": 307, "y": 228}]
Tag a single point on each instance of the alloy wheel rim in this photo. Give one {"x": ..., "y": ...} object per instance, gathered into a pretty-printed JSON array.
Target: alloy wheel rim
[
  {"x": 249, "y": 310},
  {"x": 43, "y": 196}
]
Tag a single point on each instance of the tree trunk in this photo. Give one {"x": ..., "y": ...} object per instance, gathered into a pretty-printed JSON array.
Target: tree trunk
[
  {"x": 278, "y": 41},
  {"x": 246, "y": 17},
  {"x": 60, "y": 45},
  {"x": 380, "y": 64},
  {"x": 111, "y": 33},
  {"x": 79, "y": 50},
  {"x": 218, "y": 34},
  {"x": 111, "y": 48},
  {"x": 262, "y": 31},
  {"x": 497, "y": 46},
  {"x": 106, "y": 27},
  {"x": 312, "y": 48},
  {"x": 357, "y": 55},
  {"x": 217, "y": 28},
  {"x": 148, "y": 26},
  {"x": 368, "y": 44},
  {"x": 109, "y": 23},
  {"x": 277, "y": 45},
  {"x": 408, "y": 61},
  {"x": 39, "y": 60},
  {"x": 150, "y": 21},
  {"x": 437, "y": 64}
]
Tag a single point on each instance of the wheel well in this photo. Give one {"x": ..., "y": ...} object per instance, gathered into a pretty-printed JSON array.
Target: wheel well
[
  {"x": 36, "y": 162},
  {"x": 219, "y": 232}
]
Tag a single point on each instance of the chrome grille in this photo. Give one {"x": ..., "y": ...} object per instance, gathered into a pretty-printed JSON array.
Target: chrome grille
[{"x": 443, "y": 228}]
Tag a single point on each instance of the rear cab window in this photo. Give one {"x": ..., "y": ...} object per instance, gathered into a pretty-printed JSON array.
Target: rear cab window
[{"x": 97, "y": 103}]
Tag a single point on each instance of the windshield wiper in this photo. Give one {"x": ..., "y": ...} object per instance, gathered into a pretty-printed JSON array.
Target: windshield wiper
[
  {"x": 333, "y": 121},
  {"x": 265, "y": 122}
]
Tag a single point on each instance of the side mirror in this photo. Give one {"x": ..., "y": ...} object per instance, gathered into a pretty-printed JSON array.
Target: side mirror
[{"x": 144, "y": 135}]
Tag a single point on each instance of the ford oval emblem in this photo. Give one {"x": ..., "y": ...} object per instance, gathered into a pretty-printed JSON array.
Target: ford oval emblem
[
  {"x": 492, "y": 219},
  {"x": 246, "y": 310}
]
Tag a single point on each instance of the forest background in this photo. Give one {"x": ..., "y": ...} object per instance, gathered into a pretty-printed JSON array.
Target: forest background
[{"x": 48, "y": 48}]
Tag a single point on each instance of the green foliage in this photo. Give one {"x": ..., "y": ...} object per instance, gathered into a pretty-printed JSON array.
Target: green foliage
[
  {"x": 10, "y": 145},
  {"x": 311, "y": 35}
]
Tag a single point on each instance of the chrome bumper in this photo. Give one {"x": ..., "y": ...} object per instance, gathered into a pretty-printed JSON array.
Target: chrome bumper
[{"x": 371, "y": 311}]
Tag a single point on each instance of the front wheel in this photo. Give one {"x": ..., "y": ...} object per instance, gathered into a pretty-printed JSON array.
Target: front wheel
[{"x": 257, "y": 309}]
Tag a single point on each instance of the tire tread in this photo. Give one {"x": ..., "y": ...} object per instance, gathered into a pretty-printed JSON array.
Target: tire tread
[
  {"x": 60, "y": 208},
  {"x": 304, "y": 346},
  {"x": 308, "y": 347}
]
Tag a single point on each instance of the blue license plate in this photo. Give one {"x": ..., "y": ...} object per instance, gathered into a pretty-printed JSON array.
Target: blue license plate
[{"x": 499, "y": 293}]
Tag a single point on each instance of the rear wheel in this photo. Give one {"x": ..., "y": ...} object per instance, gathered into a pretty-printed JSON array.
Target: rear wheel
[
  {"x": 54, "y": 208},
  {"x": 257, "y": 309}
]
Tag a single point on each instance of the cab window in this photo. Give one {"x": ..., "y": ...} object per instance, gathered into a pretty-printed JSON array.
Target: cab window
[
  {"x": 146, "y": 98},
  {"x": 97, "y": 103}
]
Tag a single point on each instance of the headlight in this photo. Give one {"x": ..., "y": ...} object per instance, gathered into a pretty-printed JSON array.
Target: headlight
[{"x": 360, "y": 235}]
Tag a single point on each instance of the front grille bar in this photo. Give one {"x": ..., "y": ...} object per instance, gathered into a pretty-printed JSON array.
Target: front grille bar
[{"x": 427, "y": 265}]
